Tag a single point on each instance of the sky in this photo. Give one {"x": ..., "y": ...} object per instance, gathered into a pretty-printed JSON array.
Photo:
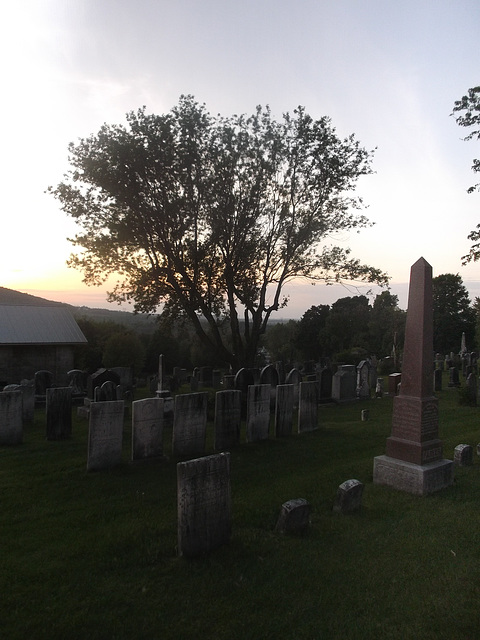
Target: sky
[{"x": 387, "y": 71}]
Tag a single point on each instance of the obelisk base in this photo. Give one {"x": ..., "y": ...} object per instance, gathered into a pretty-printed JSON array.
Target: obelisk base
[{"x": 419, "y": 480}]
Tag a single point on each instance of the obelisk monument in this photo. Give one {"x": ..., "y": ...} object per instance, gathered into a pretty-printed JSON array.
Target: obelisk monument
[{"x": 414, "y": 458}]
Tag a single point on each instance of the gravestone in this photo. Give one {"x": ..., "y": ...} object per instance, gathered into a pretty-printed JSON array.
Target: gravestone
[
  {"x": 244, "y": 378},
  {"x": 161, "y": 374},
  {"x": 58, "y": 413},
  {"x": 108, "y": 392},
  {"x": 363, "y": 380},
  {"x": 43, "y": 381},
  {"x": 454, "y": 377},
  {"x": 394, "y": 380},
  {"x": 77, "y": 380},
  {"x": 294, "y": 377},
  {"x": 147, "y": 428},
  {"x": 228, "y": 415},
  {"x": 269, "y": 375},
  {"x": 463, "y": 455},
  {"x": 204, "y": 510},
  {"x": 308, "y": 407},
  {"x": 325, "y": 384},
  {"x": 349, "y": 497},
  {"x": 190, "y": 424},
  {"x": 294, "y": 517},
  {"x": 413, "y": 460},
  {"x": 11, "y": 418},
  {"x": 344, "y": 384},
  {"x": 258, "y": 412},
  {"x": 27, "y": 390},
  {"x": 98, "y": 378},
  {"x": 205, "y": 377},
  {"x": 105, "y": 434},
  {"x": 284, "y": 410},
  {"x": 437, "y": 379}
]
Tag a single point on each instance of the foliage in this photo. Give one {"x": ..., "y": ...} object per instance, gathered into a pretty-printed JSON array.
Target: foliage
[
  {"x": 386, "y": 326},
  {"x": 452, "y": 314},
  {"x": 211, "y": 216},
  {"x": 90, "y": 356},
  {"x": 347, "y": 323},
  {"x": 280, "y": 341},
  {"x": 312, "y": 337},
  {"x": 124, "y": 349},
  {"x": 469, "y": 108}
]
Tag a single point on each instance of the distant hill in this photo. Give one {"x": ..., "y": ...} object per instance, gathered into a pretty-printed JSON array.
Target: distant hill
[{"x": 137, "y": 322}]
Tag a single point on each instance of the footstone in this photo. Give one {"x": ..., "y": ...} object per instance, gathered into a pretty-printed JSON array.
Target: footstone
[
  {"x": 463, "y": 455},
  {"x": 204, "y": 509},
  {"x": 349, "y": 496}
]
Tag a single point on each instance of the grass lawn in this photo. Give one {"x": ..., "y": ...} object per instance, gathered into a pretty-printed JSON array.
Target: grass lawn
[{"x": 93, "y": 555}]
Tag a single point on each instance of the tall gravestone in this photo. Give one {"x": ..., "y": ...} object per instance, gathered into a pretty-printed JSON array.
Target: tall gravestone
[
  {"x": 147, "y": 428},
  {"x": 228, "y": 416},
  {"x": 105, "y": 433},
  {"x": 58, "y": 413},
  {"x": 308, "y": 407},
  {"x": 190, "y": 424},
  {"x": 204, "y": 511},
  {"x": 258, "y": 412},
  {"x": 11, "y": 419},
  {"x": 284, "y": 410},
  {"x": 413, "y": 460}
]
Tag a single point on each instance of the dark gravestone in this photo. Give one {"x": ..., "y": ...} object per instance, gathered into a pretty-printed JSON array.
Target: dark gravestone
[
  {"x": 344, "y": 384},
  {"x": 228, "y": 415},
  {"x": 190, "y": 424},
  {"x": 325, "y": 384},
  {"x": 105, "y": 433},
  {"x": 437, "y": 379},
  {"x": 98, "y": 378},
  {"x": 454, "y": 377},
  {"x": 147, "y": 428},
  {"x": 11, "y": 418},
  {"x": 43, "y": 381},
  {"x": 308, "y": 407},
  {"x": 258, "y": 412},
  {"x": 413, "y": 460},
  {"x": 349, "y": 497},
  {"x": 294, "y": 517},
  {"x": 58, "y": 413},
  {"x": 77, "y": 380},
  {"x": 463, "y": 455},
  {"x": 294, "y": 377},
  {"x": 204, "y": 511},
  {"x": 284, "y": 410}
]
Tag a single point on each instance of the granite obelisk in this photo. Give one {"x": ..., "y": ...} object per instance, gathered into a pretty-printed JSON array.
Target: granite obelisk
[{"x": 414, "y": 457}]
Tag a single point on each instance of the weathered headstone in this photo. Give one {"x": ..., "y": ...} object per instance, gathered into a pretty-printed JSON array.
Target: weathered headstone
[
  {"x": 325, "y": 384},
  {"x": 147, "y": 428},
  {"x": 344, "y": 384},
  {"x": 204, "y": 511},
  {"x": 11, "y": 419},
  {"x": 258, "y": 412},
  {"x": 294, "y": 377},
  {"x": 349, "y": 496},
  {"x": 363, "y": 380},
  {"x": 228, "y": 415},
  {"x": 413, "y": 460},
  {"x": 294, "y": 517},
  {"x": 98, "y": 378},
  {"x": 43, "y": 381},
  {"x": 454, "y": 378},
  {"x": 463, "y": 455},
  {"x": 77, "y": 380},
  {"x": 394, "y": 380},
  {"x": 437, "y": 379},
  {"x": 105, "y": 435},
  {"x": 308, "y": 407},
  {"x": 190, "y": 424},
  {"x": 284, "y": 410},
  {"x": 58, "y": 413}
]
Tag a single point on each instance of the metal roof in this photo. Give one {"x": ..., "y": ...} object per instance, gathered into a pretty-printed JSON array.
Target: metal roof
[{"x": 27, "y": 324}]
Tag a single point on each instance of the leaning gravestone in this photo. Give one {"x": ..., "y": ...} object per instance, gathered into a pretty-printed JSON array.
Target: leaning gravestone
[
  {"x": 284, "y": 410},
  {"x": 258, "y": 412},
  {"x": 413, "y": 460},
  {"x": 204, "y": 510},
  {"x": 294, "y": 517},
  {"x": 58, "y": 413},
  {"x": 349, "y": 497},
  {"x": 11, "y": 420},
  {"x": 308, "y": 407},
  {"x": 147, "y": 428},
  {"x": 228, "y": 415},
  {"x": 190, "y": 424},
  {"x": 105, "y": 434}
]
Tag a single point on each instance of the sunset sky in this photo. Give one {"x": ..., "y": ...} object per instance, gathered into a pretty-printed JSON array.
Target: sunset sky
[{"x": 387, "y": 71}]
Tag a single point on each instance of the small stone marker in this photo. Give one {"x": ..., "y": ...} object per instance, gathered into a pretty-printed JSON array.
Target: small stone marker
[
  {"x": 58, "y": 413},
  {"x": 204, "y": 508},
  {"x": 349, "y": 497},
  {"x": 228, "y": 416},
  {"x": 11, "y": 419},
  {"x": 190, "y": 424},
  {"x": 147, "y": 428},
  {"x": 294, "y": 517},
  {"x": 105, "y": 435},
  {"x": 258, "y": 412},
  {"x": 463, "y": 455}
]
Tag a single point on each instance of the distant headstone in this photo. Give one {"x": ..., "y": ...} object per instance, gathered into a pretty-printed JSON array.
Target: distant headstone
[
  {"x": 77, "y": 380},
  {"x": 228, "y": 415},
  {"x": 147, "y": 428},
  {"x": 294, "y": 517},
  {"x": 349, "y": 497},
  {"x": 437, "y": 379},
  {"x": 413, "y": 460},
  {"x": 344, "y": 384},
  {"x": 43, "y": 381},
  {"x": 190, "y": 424},
  {"x": 11, "y": 419},
  {"x": 308, "y": 407},
  {"x": 204, "y": 510},
  {"x": 363, "y": 380},
  {"x": 294, "y": 377},
  {"x": 463, "y": 455},
  {"x": 105, "y": 435},
  {"x": 394, "y": 380},
  {"x": 284, "y": 410},
  {"x": 258, "y": 412},
  {"x": 58, "y": 413},
  {"x": 454, "y": 377},
  {"x": 98, "y": 378}
]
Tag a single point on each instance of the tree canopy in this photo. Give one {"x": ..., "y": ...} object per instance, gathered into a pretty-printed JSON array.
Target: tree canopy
[
  {"x": 468, "y": 109},
  {"x": 211, "y": 216},
  {"x": 452, "y": 313}
]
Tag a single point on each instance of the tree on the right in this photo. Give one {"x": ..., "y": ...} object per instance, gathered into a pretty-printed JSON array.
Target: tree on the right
[{"x": 452, "y": 314}]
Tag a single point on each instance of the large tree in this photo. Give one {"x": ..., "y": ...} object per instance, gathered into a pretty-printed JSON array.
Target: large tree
[
  {"x": 452, "y": 314},
  {"x": 211, "y": 216},
  {"x": 468, "y": 110}
]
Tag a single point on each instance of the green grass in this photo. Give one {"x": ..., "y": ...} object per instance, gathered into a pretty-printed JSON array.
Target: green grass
[{"x": 93, "y": 555}]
